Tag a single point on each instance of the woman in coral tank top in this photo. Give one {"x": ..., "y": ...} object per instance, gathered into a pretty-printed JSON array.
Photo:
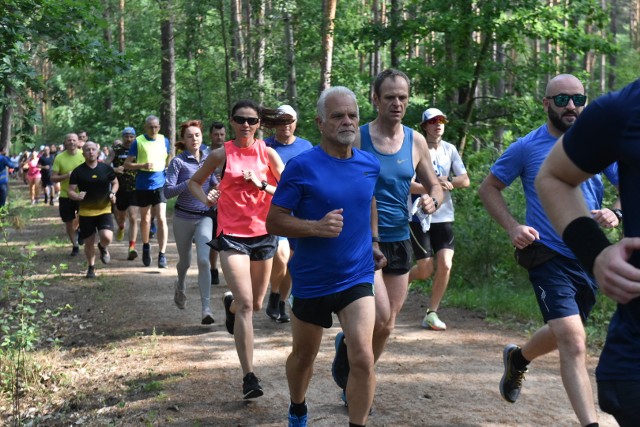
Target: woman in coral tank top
[{"x": 250, "y": 172}]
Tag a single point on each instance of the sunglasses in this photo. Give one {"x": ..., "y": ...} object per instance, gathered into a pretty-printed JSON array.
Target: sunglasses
[
  {"x": 242, "y": 120},
  {"x": 437, "y": 120},
  {"x": 563, "y": 99}
]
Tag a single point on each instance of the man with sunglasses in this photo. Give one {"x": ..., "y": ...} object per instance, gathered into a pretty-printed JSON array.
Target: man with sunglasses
[{"x": 565, "y": 291}]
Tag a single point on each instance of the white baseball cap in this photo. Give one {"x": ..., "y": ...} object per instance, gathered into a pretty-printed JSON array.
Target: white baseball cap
[
  {"x": 287, "y": 109},
  {"x": 430, "y": 113}
]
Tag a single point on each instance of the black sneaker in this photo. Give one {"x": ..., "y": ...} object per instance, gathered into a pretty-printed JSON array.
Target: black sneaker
[
  {"x": 91, "y": 272},
  {"x": 162, "y": 261},
  {"x": 511, "y": 382},
  {"x": 79, "y": 239},
  {"x": 251, "y": 387},
  {"x": 340, "y": 365},
  {"x": 152, "y": 229},
  {"x": 105, "y": 257},
  {"x": 133, "y": 254},
  {"x": 146, "y": 255},
  {"x": 272, "y": 306},
  {"x": 230, "y": 318},
  {"x": 283, "y": 317},
  {"x": 215, "y": 277},
  {"x": 75, "y": 251}
]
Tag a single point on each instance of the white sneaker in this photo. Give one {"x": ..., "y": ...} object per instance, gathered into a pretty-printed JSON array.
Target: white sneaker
[
  {"x": 432, "y": 321},
  {"x": 207, "y": 317}
]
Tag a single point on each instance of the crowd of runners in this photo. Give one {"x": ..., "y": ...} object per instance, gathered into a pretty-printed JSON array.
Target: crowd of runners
[{"x": 342, "y": 228}]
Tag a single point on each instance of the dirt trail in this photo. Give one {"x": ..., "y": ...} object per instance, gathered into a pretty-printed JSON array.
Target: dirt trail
[{"x": 132, "y": 358}]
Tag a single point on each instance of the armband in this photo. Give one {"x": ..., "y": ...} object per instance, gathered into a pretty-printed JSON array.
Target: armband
[{"x": 585, "y": 238}]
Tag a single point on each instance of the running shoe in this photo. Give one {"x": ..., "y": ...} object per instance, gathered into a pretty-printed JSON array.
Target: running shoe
[
  {"x": 120, "y": 234},
  {"x": 432, "y": 321},
  {"x": 152, "y": 229},
  {"x": 133, "y": 254},
  {"x": 91, "y": 272},
  {"x": 146, "y": 255},
  {"x": 162, "y": 261},
  {"x": 180, "y": 298},
  {"x": 251, "y": 387},
  {"x": 283, "y": 317},
  {"x": 272, "y": 306},
  {"x": 340, "y": 365},
  {"x": 75, "y": 251},
  {"x": 230, "y": 318},
  {"x": 511, "y": 382},
  {"x": 207, "y": 317},
  {"x": 105, "y": 257},
  {"x": 297, "y": 421},
  {"x": 215, "y": 277}
]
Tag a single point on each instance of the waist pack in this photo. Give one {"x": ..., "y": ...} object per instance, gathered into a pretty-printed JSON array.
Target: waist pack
[{"x": 533, "y": 255}]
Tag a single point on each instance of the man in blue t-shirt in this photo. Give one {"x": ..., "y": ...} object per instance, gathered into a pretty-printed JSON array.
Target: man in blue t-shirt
[
  {"x": 149, "y": 155},
  {"x": 580, "y": 153},
  {"x": 287, "y": 145},
  {"x": 325, "y": 200},
  {"x": 565, "y": 292},
  {"x": 5, "y": 162}
]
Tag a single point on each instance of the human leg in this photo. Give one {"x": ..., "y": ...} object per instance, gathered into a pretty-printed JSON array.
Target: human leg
[
  {"x": 160, "y": 213},
  {"x": 357, "y": 320},
  {"x": 390, "y": 294},
  {"x": 422, "y": 270},
  {"x": 572, "y": 346},
  {"x": 306, "y": 340},
  {"x": 183, "y": 232},
  {"x": 278, "y": 279},
  {"x": 145, "y": 223},
  {"x": 202, "y": 236}
]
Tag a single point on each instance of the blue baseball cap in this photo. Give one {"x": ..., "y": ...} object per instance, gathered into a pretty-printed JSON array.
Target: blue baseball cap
[{"x": 128, "y": 131}]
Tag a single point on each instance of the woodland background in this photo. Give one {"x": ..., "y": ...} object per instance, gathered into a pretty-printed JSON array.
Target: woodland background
[{"x": 100, "y": 65}]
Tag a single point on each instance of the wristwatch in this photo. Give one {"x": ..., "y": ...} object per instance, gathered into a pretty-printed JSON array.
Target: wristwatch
[
  {"x": 618, "y": 213},
  {"x": 264, "y": 185},
  {"x": 435, "y": 202}
]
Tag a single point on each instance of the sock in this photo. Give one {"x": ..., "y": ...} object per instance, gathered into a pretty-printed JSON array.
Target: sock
[
  {"x": 430, "y": 311},
  {"x": 145, "y": 245},
  {"x": 132, "y": 245},
  {"x": 356, "y": 425},
  {"x": 592, "y": 425},
  {"x": 518, "y": 359},
  {"x": 298, "y": 409},
  {"x": 160, "y": 253}
]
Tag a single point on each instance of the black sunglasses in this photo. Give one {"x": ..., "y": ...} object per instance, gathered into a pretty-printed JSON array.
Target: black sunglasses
[
  {"x": 242, "y": 120},
  {"x": 562, "y": 99}
]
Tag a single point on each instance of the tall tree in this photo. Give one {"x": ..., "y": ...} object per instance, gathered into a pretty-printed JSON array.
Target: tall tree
[
  {"x": 292, "y": 89},
  {"x": 168, "y": 103},
  {"x": 328, "y": 26}
]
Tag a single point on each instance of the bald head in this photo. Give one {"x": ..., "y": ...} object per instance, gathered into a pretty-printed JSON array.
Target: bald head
[
  {"x": 563, "y": 82},
  {"x": 560, "y": 103}
]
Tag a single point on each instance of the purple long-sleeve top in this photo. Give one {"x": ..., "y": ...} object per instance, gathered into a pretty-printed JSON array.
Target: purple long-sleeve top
[{"x": 181, "y": 169}]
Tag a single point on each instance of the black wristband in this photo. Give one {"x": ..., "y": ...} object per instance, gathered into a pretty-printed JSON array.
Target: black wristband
[
  {"x": 617, "y": 213},
  {"x": 375, "y": 239},
  {"x": 585, "y": 238}
]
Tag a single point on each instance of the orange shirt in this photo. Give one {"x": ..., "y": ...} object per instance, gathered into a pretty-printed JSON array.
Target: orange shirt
[{"x": 242, "y": 207}]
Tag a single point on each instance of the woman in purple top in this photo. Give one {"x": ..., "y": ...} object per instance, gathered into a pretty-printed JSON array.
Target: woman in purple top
[{"x": 191, "y": 220}]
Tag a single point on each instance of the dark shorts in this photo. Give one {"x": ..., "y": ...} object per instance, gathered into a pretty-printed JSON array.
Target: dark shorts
[
  {"x": 89, "y": 224},
  {"x": 144, "y": 198},
  {"x": 318, "y": 311},
  {"x": 439, "y": 236},
  {"x": 125, "y": 199},
  {"x": 46, "y": 180},
  {"x": 68, "y": 209},
  {"x": 620, "y": 399},
  {"x": 563, "y": 288},
  {"x": 399, "y": 257},
  {"x": 259, "y": 248}
]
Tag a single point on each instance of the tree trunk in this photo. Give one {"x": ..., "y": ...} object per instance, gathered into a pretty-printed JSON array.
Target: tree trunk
[
  {"x": 7, "y": 115},
  {"x": 247, "y": 33},
  {"x": 613, "y": 57},
  {"x": 328, "y": 25},
  {"x": 292, "y": 85},
  {"x": 106, "y": 14},
  {"x": 395, "y": 27},
  {"x": 237, "y": 39},
  {"x": 227, "y": 60},
  {"x": 168, "y": 103},
  {"x": 261, "y": 43},
  {"x": 121, "y": 28}
]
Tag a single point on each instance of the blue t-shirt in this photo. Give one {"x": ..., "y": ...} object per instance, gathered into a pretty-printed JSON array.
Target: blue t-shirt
[
  {"x": 609, "y": 130},
  {"x": 392, "y": 188},
  {"x": 523, "y": 159},
  {"x": 313, "y": 184},
  {"x": 146, "y": 180},
  {"x": 288, "y": 151},
  {"x": 5, "y": 162}
]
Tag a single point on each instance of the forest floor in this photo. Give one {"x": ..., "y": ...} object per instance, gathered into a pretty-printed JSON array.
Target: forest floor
[{"x": 129, "y": 357}]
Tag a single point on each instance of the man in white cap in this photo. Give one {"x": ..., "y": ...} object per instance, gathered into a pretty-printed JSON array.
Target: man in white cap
[
  {"x": 287, "y": 145},
  {"x": 438, "y": 239}
]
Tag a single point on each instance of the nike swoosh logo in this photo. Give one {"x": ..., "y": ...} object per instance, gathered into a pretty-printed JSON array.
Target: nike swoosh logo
[{"x": 402, "y": 161}]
